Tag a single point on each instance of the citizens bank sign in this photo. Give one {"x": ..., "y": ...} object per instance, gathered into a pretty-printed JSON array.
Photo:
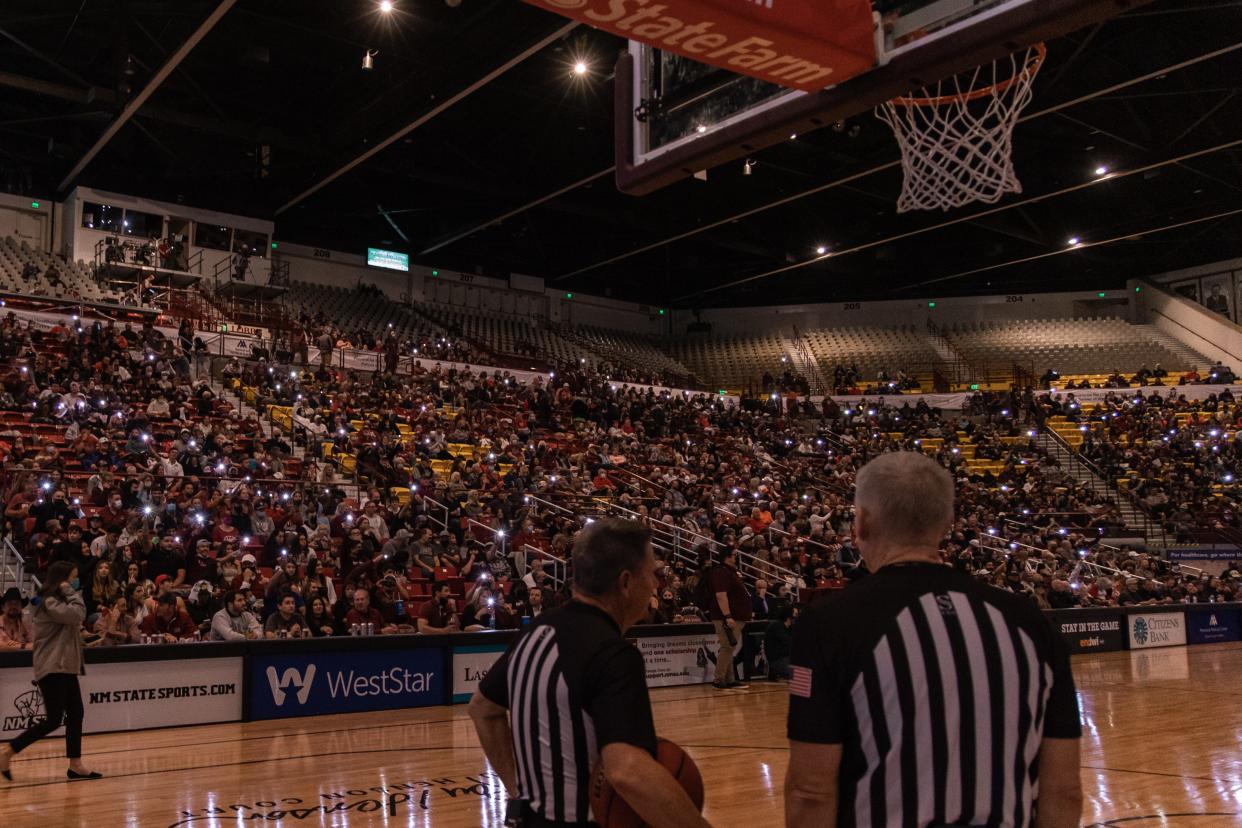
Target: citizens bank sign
[
  {"x": 794, "y": 43},
  {"x": 1165, "y": 629},
  {"x": 316, "y": 683}
]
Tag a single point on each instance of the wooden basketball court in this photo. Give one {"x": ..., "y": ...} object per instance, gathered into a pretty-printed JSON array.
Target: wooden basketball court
[{"x": 1161, "y": 747}]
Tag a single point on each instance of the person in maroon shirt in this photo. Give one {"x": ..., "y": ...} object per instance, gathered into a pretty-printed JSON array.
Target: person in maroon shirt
[
  {"x": 169, "y": 623},
  {"x": 364, "y": 613},
  {"x": 439, "y": 615},
  {"x": 730, "y": 609}
]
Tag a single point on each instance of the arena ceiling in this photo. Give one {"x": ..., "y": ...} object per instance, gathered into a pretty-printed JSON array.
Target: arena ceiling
[{"x": 273, "y": 99}]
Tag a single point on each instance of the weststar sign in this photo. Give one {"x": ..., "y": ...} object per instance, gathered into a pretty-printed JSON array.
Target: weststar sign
[{"x": 802, "y": 44}]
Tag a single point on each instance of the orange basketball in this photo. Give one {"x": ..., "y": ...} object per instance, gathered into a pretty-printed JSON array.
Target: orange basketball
[{"x": 611, "y": 811}]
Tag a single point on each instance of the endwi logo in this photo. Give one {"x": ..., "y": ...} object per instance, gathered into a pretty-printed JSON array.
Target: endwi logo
[
  {"x": 29, "y": 710},
  {"x": 291, "y": 677},
  {"x": 1140, "y": 630}
]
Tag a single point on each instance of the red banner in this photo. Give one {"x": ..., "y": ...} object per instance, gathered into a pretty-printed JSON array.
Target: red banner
[{"x": 802, "y": 44}]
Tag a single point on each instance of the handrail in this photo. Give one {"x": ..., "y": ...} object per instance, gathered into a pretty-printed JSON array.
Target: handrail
[
  {"x": 639, "y": 476},
  {"x": 442, "y": 523},
  {"x": 12, "y": 565},
  {"x": 529, "y": 497},
  {"x": 1083, "y": 559},
  {"x": 1110, "y": 487},
  {"x": 542, "y": 554},
  {"x": 798, "y": 538}
]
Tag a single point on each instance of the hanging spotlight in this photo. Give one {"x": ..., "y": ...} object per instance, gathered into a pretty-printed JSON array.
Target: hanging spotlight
[
  {"x": 580, "y": 68},
  {"x": 1101, "y": 170},
  {"x": 747, "y": 166},
  {"x": 368, "y": 59},
  {"x": 1074, "y": 241},
  {"x": 821, "y": 250},
  {"x": 386, "y": 6}
]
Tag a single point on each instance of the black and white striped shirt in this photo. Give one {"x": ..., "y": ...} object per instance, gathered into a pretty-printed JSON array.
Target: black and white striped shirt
[
  {"x": 939, "y": 690},
  {"x": 572, "y": 685}
]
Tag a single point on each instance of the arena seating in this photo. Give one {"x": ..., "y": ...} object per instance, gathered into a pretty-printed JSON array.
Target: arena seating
[
  {"x": 873, "y": 350},
  {"x": 511, "y": 335},
  {"x": 1070, "y": 346},
  {"x": 730, "y": 361},
  {"x": 481, "y": 481},
  {"x": 75, "y": 277},
  {"x": 625, "y": 348}
]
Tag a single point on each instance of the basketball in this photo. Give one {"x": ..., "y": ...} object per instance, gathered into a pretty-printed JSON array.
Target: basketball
[{"x": 611, "y": 811}]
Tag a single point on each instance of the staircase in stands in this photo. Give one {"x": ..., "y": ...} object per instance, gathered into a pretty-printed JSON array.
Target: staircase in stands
[
  {"x": 1087, "y": 475},
  {"x": 804, "y": 362}
]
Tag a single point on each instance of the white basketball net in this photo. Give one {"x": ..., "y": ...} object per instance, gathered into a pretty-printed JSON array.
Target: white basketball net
[{"x": 956, "y": 137}]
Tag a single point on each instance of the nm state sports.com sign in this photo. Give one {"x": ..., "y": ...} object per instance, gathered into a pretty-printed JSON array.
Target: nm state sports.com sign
[
  {"x": 133, "y": 695},
  {"x": 311, "y": 684}
]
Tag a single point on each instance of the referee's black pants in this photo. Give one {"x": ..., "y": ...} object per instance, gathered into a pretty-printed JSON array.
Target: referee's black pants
[{"x": 62, "y": 699}]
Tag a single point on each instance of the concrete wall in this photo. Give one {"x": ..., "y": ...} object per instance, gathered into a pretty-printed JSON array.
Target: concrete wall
[
  {"x": 909, "y": 312},
  {"x": 1209, "y": 333},
  {"x": 78, "y": 243},
  {"x": 321, "y": 266},
  {"x": 23, "y": 221}
]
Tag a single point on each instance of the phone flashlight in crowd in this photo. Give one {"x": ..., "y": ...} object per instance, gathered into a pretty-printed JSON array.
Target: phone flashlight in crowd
[
  {"x": 284, "y": 552},
  {"x": 146, "y": 510},
  {"x": 491, "y": 602},
  {"x": 245, "y": 540},
  {"x": 46, "y": 485}
]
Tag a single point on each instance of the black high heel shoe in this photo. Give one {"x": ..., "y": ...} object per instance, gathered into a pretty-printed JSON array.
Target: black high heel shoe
[{"x": 74, "y": 775}]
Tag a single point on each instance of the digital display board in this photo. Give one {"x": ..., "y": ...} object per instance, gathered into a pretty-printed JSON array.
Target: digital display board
[{"x": 388, "y": 259}]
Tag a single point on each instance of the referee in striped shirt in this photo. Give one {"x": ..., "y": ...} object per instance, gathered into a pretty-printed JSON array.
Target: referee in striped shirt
[
  {"x": 571, "y": 691},
  {"x": 920, "y": 697}
]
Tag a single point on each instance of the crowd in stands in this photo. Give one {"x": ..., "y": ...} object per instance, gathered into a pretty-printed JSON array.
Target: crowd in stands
[
  {"x": 1178, "y": 457},
  {"x": 444, "y": 500}
]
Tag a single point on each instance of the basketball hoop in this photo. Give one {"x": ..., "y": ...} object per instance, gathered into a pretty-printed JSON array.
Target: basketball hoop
[{"x": 956, "y": 137}]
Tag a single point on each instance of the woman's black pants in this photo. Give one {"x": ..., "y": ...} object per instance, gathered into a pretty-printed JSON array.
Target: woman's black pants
[{"x": 62, "y": 701}]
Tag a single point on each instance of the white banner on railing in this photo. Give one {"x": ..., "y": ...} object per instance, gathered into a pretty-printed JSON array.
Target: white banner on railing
[{"x": 134, "y": 695}]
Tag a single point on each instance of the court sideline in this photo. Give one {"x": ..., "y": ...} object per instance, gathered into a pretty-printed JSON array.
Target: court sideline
[{"x": 1161, "y": 736}]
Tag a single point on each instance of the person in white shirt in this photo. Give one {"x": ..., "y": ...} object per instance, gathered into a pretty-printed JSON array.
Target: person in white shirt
[
  {"x": 169, "y": 467},
  {"x": 105, "y": 546},
  {"x": 158, "y": 407},
  {"x": 235, "y": 622}
]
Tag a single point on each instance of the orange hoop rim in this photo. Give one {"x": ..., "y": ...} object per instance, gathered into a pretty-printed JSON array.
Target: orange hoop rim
[{"x": 1033, "y": 62}]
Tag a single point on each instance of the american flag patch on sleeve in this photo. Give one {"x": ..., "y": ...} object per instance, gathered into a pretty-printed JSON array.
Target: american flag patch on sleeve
[{"x": 800, "y": 682}]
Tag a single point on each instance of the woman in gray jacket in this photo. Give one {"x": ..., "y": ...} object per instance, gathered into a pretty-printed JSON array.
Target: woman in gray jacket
[{"x": 57, "y": 665}]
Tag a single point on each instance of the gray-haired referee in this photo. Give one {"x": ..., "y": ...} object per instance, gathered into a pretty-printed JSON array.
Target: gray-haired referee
[
  {"x": 920, "y": 697},
  {"x": 571, "y": 690}
]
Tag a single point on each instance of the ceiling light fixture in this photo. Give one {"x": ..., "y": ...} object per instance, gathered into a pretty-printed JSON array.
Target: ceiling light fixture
[
  {"x": 700, "y": 129},
  {"x": 1101, "y": 170},
  {"x": 386, "y": 6},
  {"x": 821, "y": 250},
  {"x": 368, "y": 59},
  {"x": 1074, "y": 241},
  {"x": 580, "y": 68}
]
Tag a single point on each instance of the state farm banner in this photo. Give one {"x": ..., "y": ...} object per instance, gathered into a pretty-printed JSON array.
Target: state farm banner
[
  {"x": 802, "y": 44},
  {"x": 134, "y": 695}
]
